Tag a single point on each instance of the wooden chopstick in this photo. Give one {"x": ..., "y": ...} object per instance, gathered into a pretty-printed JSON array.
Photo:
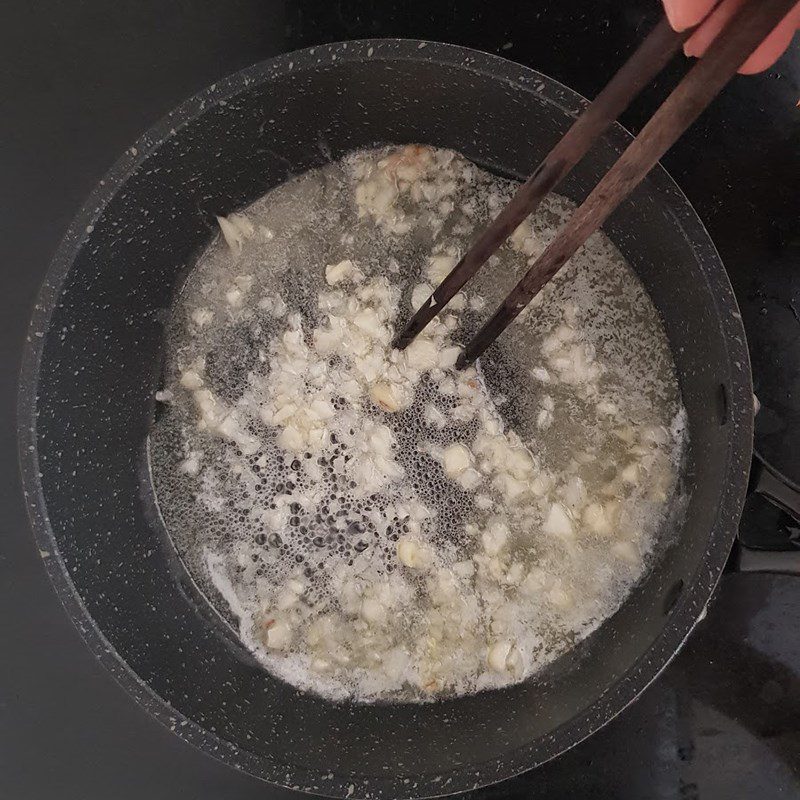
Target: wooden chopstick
[
  {"x": 740, "y": 37},
  {"x": 647, "y": 61}
]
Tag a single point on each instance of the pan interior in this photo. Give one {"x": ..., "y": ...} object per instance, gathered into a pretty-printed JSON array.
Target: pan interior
[
  {"x": 378, "y": 525},
  {"x": 100, "y": 364}
]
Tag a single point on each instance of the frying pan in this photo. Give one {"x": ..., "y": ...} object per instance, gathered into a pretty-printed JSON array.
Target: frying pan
[{"x": 93, "y": 364}]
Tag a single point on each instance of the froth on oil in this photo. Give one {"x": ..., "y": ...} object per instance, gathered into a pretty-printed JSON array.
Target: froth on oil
[{"x": 376, "y": 524}]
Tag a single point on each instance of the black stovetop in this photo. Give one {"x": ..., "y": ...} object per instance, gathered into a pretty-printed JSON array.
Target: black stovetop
[{"x": 83, "y": 79}]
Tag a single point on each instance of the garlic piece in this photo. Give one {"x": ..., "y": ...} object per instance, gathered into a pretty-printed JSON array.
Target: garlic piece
[
  {"x": 448, "y": 357},
  {"x": 291, "y": 439},
  {"x": 456, "y": 459},
  {"x": 234, "y": 297},
  {"x": 368, "y": 321},
  {"x": 422, "y": 354},
  {"x": 655, "y": 435},
  {"x": 540, "y": 485},
  {"x": 607, "y": 408},
  {"x": 458, "y": 302},
  {"x": 561, "y": 598},
  {"x": 420, "y": 295},
  {"x": 596, "y": 520},
  {"x": 494, "y": 539},
  {"x": 558, "y": 523},
  {"x": 524, "y": 240},
  {"x": 287, "y": 599},
  {"x": 384, "y": 395},
  {"x": 242, "y": 224},
  {"x": 274, "y": 306},
  {"x": 201, "y": 317},
  {"x": 534, "y": 582},
  {"x": 544, "y": 419},
  {"x": 439, "y": 267},
  {"x": 373, "y": 611},
  {"x": 447, "y": 387},
  {"x": 191, "y": 464},
  {"x": 434, "y": 417},
  {"x": 470, "y": 479},
  {"x": 483, "y": 502},
  {"x": 278, "y": 635},
  {"x": 411, "y": 554},
  {"x": 499, "y": 656},
  {"x": 235, "y": 229},
  {"x": 600, "y": 519},
  {"x": 244, "y": 282},
  {"x": 191, "y": 380},
  {"x": 464, "y": 569},
  {"x": 514, "y": 574},
  {"x": 519, "y": 462},
  {"x": 630, "y": 474},
  {"x": 514, "y": 490},
  {"x": 343, "y": 271},
  {"x": 627, "y": 552},
  {"x": 574, "y": 493}
]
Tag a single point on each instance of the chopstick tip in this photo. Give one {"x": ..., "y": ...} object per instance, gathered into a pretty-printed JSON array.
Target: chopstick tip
[{"x": 463, "y": 360}]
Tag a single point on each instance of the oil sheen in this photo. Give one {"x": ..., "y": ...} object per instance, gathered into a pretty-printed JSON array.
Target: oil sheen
[{"x": 375, "y": 524}]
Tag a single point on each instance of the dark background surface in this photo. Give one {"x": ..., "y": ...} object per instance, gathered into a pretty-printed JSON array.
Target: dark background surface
[{"x": 82, "y": 80}]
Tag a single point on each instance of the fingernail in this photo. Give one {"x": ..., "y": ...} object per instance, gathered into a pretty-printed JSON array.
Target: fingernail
[
  {"x": 689, "y": 48},
  {"x": 670, "y": 8}
]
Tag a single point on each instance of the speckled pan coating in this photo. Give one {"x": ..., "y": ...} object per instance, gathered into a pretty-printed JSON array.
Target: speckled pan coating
[{"x": 93, "y": 359}]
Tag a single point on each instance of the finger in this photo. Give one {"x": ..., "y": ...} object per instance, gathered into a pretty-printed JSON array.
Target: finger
[
  {"x": 767, "y": 52},
  {"x": 771, "y": 49},
  {"x": 683, "y": 14},
  {"x": 699, "y": 41}
]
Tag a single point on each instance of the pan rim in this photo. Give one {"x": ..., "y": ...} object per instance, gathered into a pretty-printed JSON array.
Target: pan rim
[{"x": 691, "y": 604}]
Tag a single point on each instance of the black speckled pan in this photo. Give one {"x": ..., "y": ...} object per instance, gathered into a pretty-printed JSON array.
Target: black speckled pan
[{"x": 92, "y": 367}]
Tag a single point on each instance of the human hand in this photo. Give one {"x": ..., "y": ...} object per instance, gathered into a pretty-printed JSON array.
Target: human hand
[{"x": 684, "y": 14}]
